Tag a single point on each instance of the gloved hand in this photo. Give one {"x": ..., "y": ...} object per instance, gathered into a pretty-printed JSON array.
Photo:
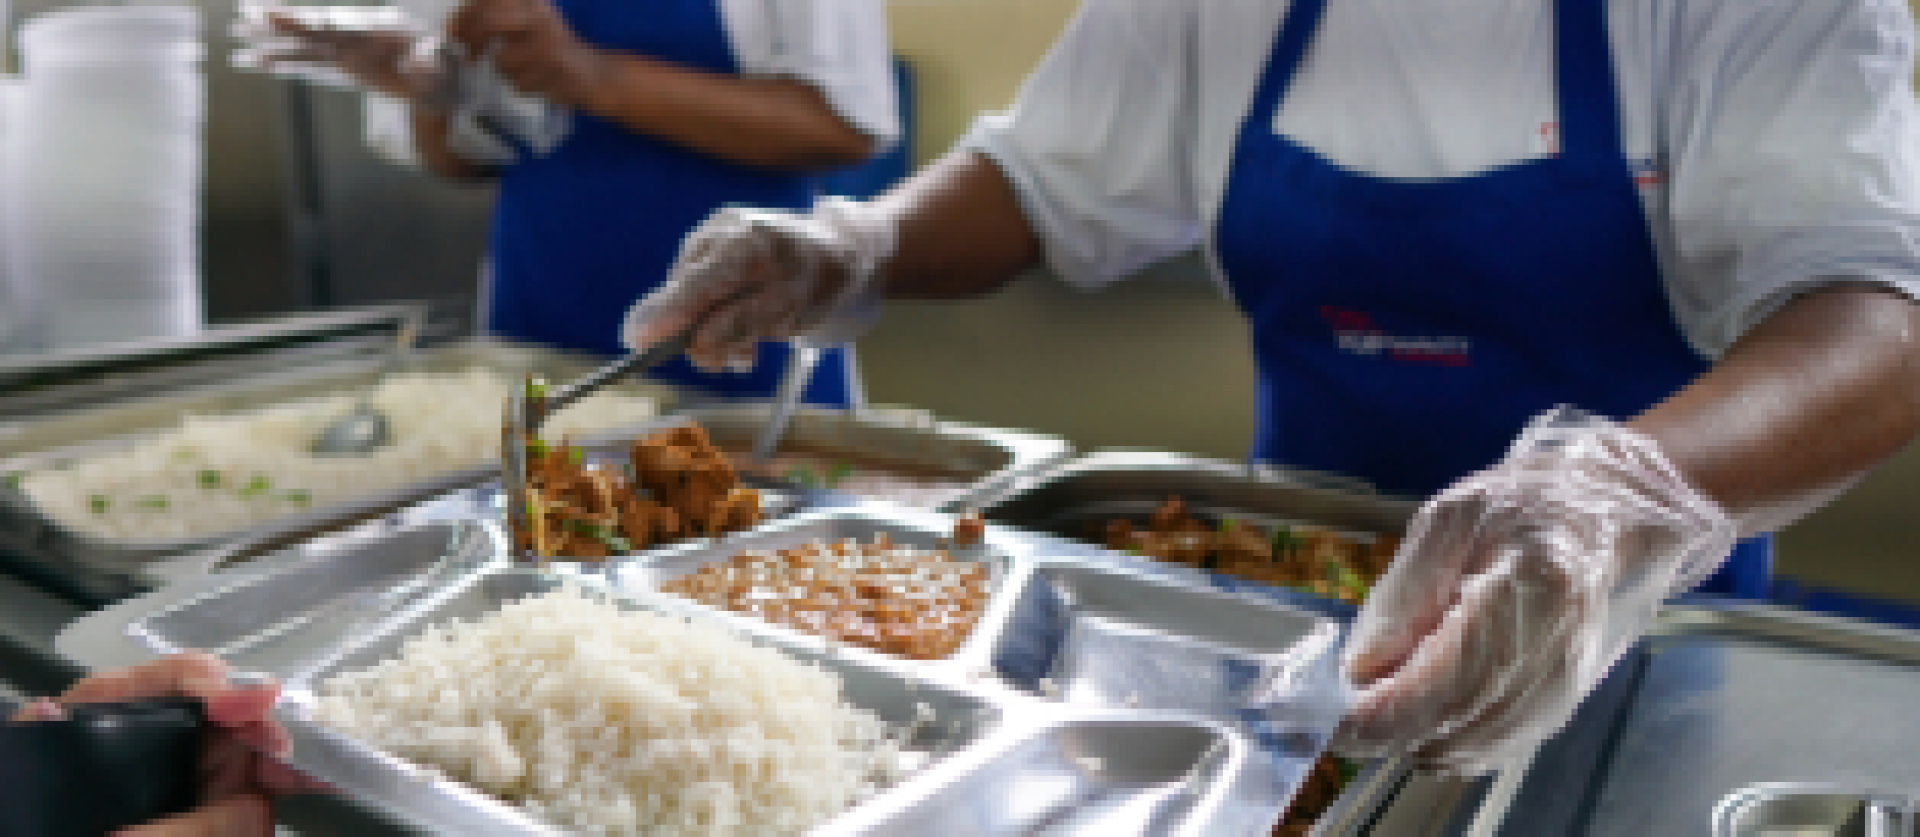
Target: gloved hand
[
  {"x": 1517, "y": 588},
  {"x": 489, "y": 120},
  {"x": 758, "y": 274}
]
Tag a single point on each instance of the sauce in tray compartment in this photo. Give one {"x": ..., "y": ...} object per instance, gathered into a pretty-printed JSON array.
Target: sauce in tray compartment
[{"x": 915, "y": 603}]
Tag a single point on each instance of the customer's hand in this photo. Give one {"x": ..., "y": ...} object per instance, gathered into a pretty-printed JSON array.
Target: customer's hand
[
  {"x": 758, "y": 274},
  {"x": 531, "y": 46},
  {"x": 241, "y": 771},
  {"x": 1517, "y": 588}
]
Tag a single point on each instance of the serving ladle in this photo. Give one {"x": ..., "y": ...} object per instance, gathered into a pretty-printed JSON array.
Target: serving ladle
[{"x": 365, "y": 429}]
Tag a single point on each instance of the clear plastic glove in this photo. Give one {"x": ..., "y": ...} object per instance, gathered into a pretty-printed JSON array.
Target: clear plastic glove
[
  {"x": 758, "y": 274},
  {"x": 1518, "y": 587}
]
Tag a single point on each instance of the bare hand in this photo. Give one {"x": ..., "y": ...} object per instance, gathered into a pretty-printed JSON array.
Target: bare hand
[
  {"x": 240, "y": 766},
  {"x": 532, "y": 48}
]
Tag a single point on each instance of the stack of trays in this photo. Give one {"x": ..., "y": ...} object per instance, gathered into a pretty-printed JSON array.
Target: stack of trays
[{"x": 1089, "y": 698}]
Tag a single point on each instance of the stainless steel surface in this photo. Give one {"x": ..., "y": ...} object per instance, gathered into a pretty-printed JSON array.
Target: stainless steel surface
[
  {"x": 1812, "y": 810},
  {"x": 1718, "y": 701},
  {"x": 984, "y": 459},
  {"x": 1003, "y": 760},
  {"x": 365, "y": 428},
  {"x": 278, "y": 622},
  {"x": 1070, "y": 499},
  {"x": 113, "y": 568},
  {"x": 921, "y": 530},
  {"x": 801, "y": 362},
  {"x": 74, "y": 379}
]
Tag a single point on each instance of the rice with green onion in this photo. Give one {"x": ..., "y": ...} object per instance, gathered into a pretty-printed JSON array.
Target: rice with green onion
[{"x": 217, "y": 474}]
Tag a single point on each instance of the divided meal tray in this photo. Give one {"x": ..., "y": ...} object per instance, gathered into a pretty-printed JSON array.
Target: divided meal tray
[{"x": 1062, "y": 713}]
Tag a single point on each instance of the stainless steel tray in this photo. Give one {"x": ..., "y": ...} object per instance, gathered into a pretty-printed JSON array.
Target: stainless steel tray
[
  {"x": 1206, "y": 743},
  {"x": 1727, "y": 716},
  {"x": 108, "y": 569},
  {"x": 985, "y": 460}
]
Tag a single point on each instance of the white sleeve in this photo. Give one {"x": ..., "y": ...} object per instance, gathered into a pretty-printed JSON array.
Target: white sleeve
[
  {"x": 838, "y": 46},
  {"x": 1794, "y": 142},
  {"x": 1097, "y": 144}
]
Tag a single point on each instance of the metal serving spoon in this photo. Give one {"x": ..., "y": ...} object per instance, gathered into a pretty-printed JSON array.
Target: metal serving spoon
[{"x": 366, "y": 429}]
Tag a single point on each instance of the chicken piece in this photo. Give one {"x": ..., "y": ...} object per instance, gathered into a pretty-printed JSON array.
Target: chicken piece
[
  {"x": 970, "y": 530},
  {"x": 1118, "y": 534}
]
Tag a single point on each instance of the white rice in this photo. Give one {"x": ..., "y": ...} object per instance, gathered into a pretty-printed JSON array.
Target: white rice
[
  {"x": 611, "y": 721},
  {"x": 260, "y": 469}
]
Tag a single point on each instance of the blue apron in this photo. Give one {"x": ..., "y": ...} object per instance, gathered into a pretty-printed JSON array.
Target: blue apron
[
  {"x": 582, "y": 233},
  {"x": 1406, "y": 330}
]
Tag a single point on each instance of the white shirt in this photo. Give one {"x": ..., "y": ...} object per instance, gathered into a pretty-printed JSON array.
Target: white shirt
[
  {"x": 840, "y": 47},
  {"x": 1776, "y": 143}
]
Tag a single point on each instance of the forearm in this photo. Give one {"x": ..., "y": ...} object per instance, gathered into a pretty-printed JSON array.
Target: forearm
[
  {"x": 768, "y": 123},
  {"x": 430, "y": 127},
  {"x": 1800, "y": 408},
  {"x": 960, "y": 231}
]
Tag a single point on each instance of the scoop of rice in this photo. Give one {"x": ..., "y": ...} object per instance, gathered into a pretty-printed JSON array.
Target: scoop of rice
[
  {"x": 222, "y": 473},
  {"x": 612, "y": 721}
]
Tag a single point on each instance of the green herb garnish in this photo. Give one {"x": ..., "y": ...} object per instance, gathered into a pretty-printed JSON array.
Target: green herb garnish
[
  {"x": 575, "y": 456},
  {"x": 210, "y": 479},
  {"x": 99, "y": 503},
  {"x": 13, "y": 478},
  {"x": 836, "y": 475},
  {"x": 535, "y": 447},
  {"x": 536, "y": 388},
  {"x": 1285, "y": 541},
  {"x": 299, "y": 496},
  {"x": 152, "y": 502},
  {"x": 255, "y": 487},
  {"x": 607, "y": 536},
  {"x": 803, "y": 476},
  {"x": 1227, "y": 524}
]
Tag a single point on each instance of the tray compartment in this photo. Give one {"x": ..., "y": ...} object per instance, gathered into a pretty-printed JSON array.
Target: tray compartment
[
  {"x": 1136, "y": 776},
  {"x": 935, "y": 720},
  {"x": 1118, "y": 637},
  {"x": 904, "y": 527},
  {"x": 272, "y": 622}
]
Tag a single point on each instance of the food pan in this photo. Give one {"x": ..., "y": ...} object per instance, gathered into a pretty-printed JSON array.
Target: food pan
[
  {"x": 1068, "y": 499},
  {"x": 81, "y": 378},
  {"x": 978, "y": 461},
  {"x": 106, "y": 569},
  {"x": 1804, "y": 808},
  {"x": 1720, "y": 703},
  {"x": 1000, "y": 551}
]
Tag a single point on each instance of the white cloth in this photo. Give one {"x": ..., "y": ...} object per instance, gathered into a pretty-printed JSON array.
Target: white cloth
[
  {"x": 1776, "y": 144},
  {"x": 840, "y": 47}
]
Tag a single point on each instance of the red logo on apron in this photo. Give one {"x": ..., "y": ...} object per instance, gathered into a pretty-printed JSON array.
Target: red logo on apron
[{"x": 1356, "y": 333}]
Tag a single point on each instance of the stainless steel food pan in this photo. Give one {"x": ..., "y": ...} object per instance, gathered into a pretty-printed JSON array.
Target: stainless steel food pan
[
  {"x": 1720, "y": 703},
  {"x": 111, "y": 568},
  {"x": 1071, "y": 499},
  {"x": 83, "y": 378},
  {"x": 983, "y": 460}
]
